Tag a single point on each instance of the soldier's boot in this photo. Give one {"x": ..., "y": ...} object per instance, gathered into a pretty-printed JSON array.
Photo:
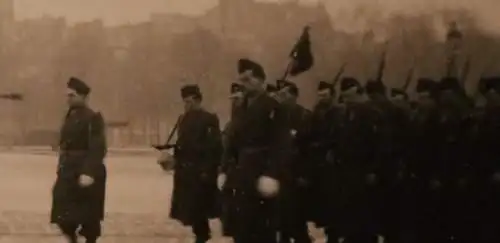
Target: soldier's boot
[
  {"x": 91, "y": 240},
  {"x": 69, "y": 232},
  {"x": 201, "y": 230},
  {"x": 200, "y": 240}
]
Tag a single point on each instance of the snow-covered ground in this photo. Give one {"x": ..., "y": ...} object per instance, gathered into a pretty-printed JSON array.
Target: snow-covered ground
[{"x": 138, "y": 199}]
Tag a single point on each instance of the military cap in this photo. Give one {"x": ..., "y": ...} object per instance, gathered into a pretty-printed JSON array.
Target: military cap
[
  {"x": 374, "y": 87},
  {"x": 399, "y": 92},
  {"x": 323, "y": 85},
  {"x": 78, "y": 86},
  {"x": 257, "y": 70},
  {"x": 292, "y": 87},
  {"x": 449, "y": 83},
  {"x": 348, "y": 83},
  {"x": 426, "y": 85},
  {"x": 190, "y": 90},
  {"x": 271, "y": 88}
]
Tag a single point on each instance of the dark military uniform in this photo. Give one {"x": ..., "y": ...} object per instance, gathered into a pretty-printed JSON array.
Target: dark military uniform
[
  {"x": 82, "y": 147},
  {"x": 228, "y": 206},
  {"x": 359, "y": 170},
  {"x": 390, "y": 154},
  {"x": 402, "y": 184},
  {"x": 422, "y": 162},
  {"x": 259, "y": 153},
  {"x": 487, "y": 144},
  {"x": 324, "y": 179},
  {"x": 454, "y": 165},
  {"x": 294, "y": 196},
  {"x": 197, "y": 154}
]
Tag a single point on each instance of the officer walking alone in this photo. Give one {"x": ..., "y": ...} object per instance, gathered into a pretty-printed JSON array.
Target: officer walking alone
[{"x": 79, "y": 191}]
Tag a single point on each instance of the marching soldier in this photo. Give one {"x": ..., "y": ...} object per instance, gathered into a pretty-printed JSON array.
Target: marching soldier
[
  {"x": 197, "y": 153},
  {"x": 400, "y": 99},
  {"x": 454, "y": 167},
  {"x": 294, "y": 194},
  {"x": 388, "y": 155},
  {"x": 228, "y": 164},
  {"x": 401, "y": 180},
  {"x": 488, "y": 166},
  {"x": 423, "y": 148},
  {"x": 259, "y": 159},
  {"x": 79, "y": 190},
  {"x": 359, "y": 170},
  {"x": 321, "y": 153}
]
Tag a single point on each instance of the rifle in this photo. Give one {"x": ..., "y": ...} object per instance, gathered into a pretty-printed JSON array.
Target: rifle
[
  {"x": 409, "y": 76},
  {"x": 167, "y": 145},
  {"x": 339, "y": 74},
  {"x": 381, "y": 67},
  {"x": 465, "y": 70}
]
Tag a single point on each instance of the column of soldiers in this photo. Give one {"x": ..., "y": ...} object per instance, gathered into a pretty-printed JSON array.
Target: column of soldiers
[
  {"x": 373, "y": 165},
  {"x": 363, "y": 164}
]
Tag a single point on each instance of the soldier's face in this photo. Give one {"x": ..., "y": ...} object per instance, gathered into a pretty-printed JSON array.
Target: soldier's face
[
  {"x": 449, "y": 97},
  {"x": 237, "y": 100},
  {"x": 284, "y": 95},
  {"x": 74, "y": 99},
  {"x": 190, "y": 103},
  {"x": 423, "y": 97},
  {"x": 273, "y": 95},
  {"x": 325, "y": 96},
  {"x": 398, "y": 100},
  {"x": 250, "y": 82},
  {"x": 350, "y": 94}
]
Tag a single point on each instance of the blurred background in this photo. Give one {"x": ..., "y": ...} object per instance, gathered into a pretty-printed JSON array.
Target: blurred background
[{"x": 137, "y": 54}]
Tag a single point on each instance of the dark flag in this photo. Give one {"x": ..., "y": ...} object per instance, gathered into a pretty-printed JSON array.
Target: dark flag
[{"x": 301, "y": 55}]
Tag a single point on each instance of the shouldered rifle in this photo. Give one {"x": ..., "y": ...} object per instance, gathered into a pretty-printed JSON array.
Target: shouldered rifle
[
  {"x": 381, "y": 66},
  {"x": 168, "y": 144},
  {"x": 339, "y": 74}
]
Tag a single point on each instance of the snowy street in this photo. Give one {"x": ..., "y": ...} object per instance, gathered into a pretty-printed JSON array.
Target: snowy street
[{"x": 137, "y": 203}]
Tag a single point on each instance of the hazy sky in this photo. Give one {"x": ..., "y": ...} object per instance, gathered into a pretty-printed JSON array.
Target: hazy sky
[{"x": 120, "y": 11}]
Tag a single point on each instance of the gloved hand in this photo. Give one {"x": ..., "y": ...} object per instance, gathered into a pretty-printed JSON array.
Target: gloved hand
[
  {"x": 268, "y": 186},
  {"x": 221, "y": 180},
  {"x": 85, "y": 181}
]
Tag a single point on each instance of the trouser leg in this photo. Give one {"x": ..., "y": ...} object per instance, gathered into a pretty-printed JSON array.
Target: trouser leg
[
  {"x": 201, "y": 230},
  {"x": 69, "y": 231},
  {"x": 91, "y": 231}
]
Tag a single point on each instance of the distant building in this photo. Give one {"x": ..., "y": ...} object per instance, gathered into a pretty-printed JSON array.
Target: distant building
[
  {"x": 7, "y": 11},
  {"x": 173, "y": 23}
]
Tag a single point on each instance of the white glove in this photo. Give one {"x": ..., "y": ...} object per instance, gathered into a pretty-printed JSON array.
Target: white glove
[
  {"x": 221, "y": 180},
  {"x": 268, "y": 186},
  {"x": 85, "y": 180}
]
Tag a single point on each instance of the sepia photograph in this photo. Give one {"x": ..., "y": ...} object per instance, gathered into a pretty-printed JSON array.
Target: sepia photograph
[{"x": 249, "y": 121}]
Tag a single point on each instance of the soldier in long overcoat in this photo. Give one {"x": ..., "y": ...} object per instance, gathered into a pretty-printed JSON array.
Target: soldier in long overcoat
[
  {"x": 79, "y": 190},
  {"x": 487, "y": 152},
  {"x": 423, "y": 160},
  {"x": 390, "y": 153},
  {"x": 401, "y": 201},
  {"x": 454, "y": 163},
  {"x": 226, "y": 179},
  {"x": 258, "y": 161},
  {"x": 359, "y": 170},
  {"x": 197, "y": 153},
  {"x": 324, "y": 182},
  {"x": 295, "y": 186}
]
